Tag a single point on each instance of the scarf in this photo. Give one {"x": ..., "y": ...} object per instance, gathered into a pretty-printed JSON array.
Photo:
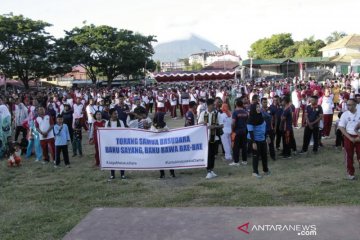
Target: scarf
[{"x": 255, "y": 118}]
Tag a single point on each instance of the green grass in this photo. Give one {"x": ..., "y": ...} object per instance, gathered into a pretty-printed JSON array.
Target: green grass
[{"x": 40, "y": 202}]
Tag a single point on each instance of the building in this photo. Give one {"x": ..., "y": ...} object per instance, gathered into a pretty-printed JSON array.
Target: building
[
  {"x": 286, "y": 67},
  {"x": 207, "y": 58},
  {"x": 172, "y": 66},
  {"x": 344, "y": 54}
]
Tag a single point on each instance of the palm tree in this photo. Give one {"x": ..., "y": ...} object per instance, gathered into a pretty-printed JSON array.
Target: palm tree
[{"x": 334, "y": 36}]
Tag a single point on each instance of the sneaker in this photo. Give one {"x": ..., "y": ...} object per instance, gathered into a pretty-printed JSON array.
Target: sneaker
[
  {"x": 351, "y": 177},
  {"x": 56, "y": 166},
  {"x": 111, "y": 178},
  {"x": 209, "y": 175},
  {"x": 286, "y": 157},
  {"x": 303, "y": 152},
  {"x": 323, "y": 137},
  {"x": 327, "y": 137},
  {"x": 162, "y": 177},
  {"x": 123, "y": 177},
  {"x": 244, "y": 163},
  {"x": 295, "y": 153},
  {"x": 173, "y": 175},
  {"x": 68, "y": 166},
  {"x": 311, "y": 144},
  {"x": 44, "y": 162},
  {"x": 268, "y": 173},
  {"x": 234, "y": 164},
  {"x": 37, "y": 160},
  {"x": 213, "y": 174},
  {"x": 74, "y": 155},
  {"x": 256, "y": 175}
]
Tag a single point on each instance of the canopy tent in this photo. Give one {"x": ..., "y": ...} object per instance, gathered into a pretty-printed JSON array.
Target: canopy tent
[
  {"x": 16, "y": 83},
  {"x": 188, "y": 76}
]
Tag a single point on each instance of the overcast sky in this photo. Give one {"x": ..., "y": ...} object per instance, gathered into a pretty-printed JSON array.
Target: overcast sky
[{"x": 237, "y": 23}]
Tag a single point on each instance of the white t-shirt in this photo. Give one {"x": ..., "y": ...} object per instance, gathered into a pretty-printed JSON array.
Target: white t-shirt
[
  {"x": 90, "y": 111},
  {"x": 295, "y": 99},
  {"x": 78, "y": 108},
  {"x": 113, "y": 124},
  {"x": 160, "y": 104},
  {"x": 226, "y": 121},
  {"x": 173, "y": 100},
  {"x": 327, "y": 105},
  {"x": 349, "y": 121},
  {"x": 44, "y": 125}
]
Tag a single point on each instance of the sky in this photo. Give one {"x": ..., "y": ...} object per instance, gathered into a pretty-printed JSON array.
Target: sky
[{"x": 236, "y": 23}]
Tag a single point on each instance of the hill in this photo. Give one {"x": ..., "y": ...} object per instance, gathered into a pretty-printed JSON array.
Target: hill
[{"x": 172, "y": 51}]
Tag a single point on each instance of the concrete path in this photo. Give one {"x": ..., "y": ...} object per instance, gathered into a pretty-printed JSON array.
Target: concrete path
[{"x": 220, "y": 223}]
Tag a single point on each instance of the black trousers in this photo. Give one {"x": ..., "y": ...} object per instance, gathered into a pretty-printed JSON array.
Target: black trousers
[
  {"x": 261, "y": 151},
  {"x": 240, "y": 142},
  {"x": 18, "y": 130},
  {"x": 307, "y": 137},
  {"x": 339, "y": 139},
  {"x": 211, "y": 156},
  {"x": 112, "y": 172},
  {"x": 65, "y": 152},
  {"x": 172, "y": 172},
  {"x": 288, "y": 142},
  {"x": 271, "y": 146},
  {"x": 278, "y": 136}
]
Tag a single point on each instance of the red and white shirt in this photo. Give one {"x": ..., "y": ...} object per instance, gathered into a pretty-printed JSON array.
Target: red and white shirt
[{"x": 44, "y": 123}]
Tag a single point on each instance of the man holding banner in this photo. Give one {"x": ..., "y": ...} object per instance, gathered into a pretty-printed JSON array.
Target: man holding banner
[
  {"x": 114, "y": 122},
  {"x": 210, "y": 118}
]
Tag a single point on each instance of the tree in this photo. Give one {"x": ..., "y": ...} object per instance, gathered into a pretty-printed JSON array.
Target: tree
[
  {"x": 272, "y": 47},
  {"x": 309, "y": 48},
  {"x": 26, "y": 49},
  {"x": 109, "y": 51},
  {"x": 282, "y": 46},
  {"x": 334, "y": 36}
]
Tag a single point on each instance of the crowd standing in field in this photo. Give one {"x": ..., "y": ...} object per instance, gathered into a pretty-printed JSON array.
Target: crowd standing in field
[{"x": 253, "y": 118}]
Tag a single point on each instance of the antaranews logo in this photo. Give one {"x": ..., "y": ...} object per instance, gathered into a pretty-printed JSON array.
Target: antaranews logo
[{"x": 301, "y": 230}]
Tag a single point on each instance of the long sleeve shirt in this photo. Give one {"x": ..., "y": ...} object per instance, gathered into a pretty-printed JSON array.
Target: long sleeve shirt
[{"x": 61, "y": 134}]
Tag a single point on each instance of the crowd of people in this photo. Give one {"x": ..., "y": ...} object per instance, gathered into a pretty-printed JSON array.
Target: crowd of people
[{"x": 252, "y": 117}]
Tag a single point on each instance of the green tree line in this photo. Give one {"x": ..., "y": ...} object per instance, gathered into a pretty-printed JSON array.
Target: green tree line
[{"x": 283, "y": 46}]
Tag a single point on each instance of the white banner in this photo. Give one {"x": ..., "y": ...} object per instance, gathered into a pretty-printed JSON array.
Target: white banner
[{"x": 137, "y": 149}]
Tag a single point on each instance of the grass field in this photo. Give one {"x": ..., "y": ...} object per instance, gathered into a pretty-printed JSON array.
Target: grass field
[{"x": 40, "y": 202}]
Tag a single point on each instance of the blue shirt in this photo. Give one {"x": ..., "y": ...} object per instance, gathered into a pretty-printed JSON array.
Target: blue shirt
[
  {"x": 241, "y": 117},
  {"x": 314, "y": 113},
  {"x": 267, "y": 118},
  {"x": 287, "y": 118},
  {"x": 189, "y": 119},
  {"x": 61, "y": 134},
  {"x": 259, "y": 131}
]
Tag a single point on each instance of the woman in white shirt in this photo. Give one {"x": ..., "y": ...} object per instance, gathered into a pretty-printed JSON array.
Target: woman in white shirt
[{"x": 226, "y": 120}]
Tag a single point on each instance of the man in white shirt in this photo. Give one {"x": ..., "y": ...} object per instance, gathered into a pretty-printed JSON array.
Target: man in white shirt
[
  {"x": 210, "y": 118},
  {"x": 296, "y": 101},
  {"x": 173, "y": 103},
  {"x": 115, "y": 122},
  {"x": 327, "y": 105},
  {"x": 348, "y": 125}
]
